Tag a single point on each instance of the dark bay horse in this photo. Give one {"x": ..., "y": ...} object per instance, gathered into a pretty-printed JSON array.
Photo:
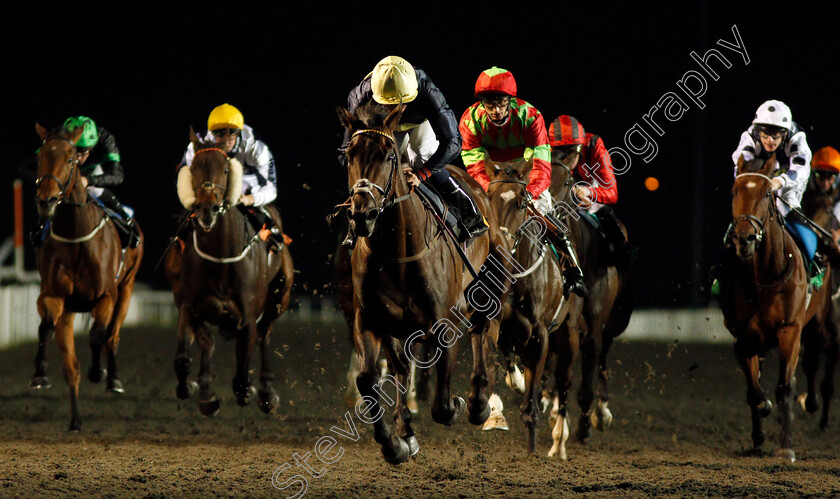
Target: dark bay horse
[
  {"x": 224, "y": 275},
  {"x": 605, "y": 314},
  {"x": 538, "y": 306},
  {"x": 408, "y": 281},
  {"x": 82, "y": 267},
  {"x": 822, "y": 337},
  {"x": 764, "y": 295}
]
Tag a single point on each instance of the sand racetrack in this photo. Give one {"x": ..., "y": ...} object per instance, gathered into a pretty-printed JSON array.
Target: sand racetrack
[{"x": 681, "y": 428}]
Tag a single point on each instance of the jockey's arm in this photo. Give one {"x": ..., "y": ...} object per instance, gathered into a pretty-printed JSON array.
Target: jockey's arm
[
  {"x": 261, "y": 181},
  {"x": 472, "y": 151},
  {"x": 536, "y": 138},
  {"x": 443, "y": 123},
  {"x": 112, "y": 174}
]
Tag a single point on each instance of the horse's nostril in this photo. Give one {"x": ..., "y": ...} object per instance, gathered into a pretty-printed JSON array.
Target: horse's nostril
[
  {"x": 751, "y": 238},
  {"x": 372, "y": 214}
]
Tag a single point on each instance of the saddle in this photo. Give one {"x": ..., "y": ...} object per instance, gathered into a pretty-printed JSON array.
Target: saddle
[{"x": 128, "y": 236}]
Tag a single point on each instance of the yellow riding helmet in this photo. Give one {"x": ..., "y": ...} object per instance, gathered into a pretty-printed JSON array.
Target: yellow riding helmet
[
  {"x": 393, "y": 80},
  {"x": 225, "y": 116}
]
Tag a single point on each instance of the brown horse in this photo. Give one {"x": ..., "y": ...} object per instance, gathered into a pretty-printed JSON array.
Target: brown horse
[
  {"x": 764, "y": 295},
  {"x": 538, "y": 306},
  {"x": 822, "y": 336},
  {"x": 407, "y": 283},
  {"x": 82, "y": 267},
  {"x": 224, "y": 275},
  {"x": 605, "y": 314}
]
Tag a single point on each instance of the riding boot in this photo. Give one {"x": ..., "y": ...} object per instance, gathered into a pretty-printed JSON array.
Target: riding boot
[
  {"x": 127, "y": 218},
  {"x": 262, "y": 222},
  {"x": 471, "y": 220},
  {"x": 572, "y": 276}
]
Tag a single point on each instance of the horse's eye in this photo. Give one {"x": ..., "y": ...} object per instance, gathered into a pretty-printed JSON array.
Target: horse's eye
[{"x": 392, "y": 157}]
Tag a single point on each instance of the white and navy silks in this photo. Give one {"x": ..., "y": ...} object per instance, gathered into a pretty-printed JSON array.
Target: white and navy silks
[
  {"x": 793, "y": 158},
  {"x": 259, "y": 176}
]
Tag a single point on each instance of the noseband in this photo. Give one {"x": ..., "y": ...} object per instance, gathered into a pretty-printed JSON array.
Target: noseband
[{"x": 364, "y": 186}]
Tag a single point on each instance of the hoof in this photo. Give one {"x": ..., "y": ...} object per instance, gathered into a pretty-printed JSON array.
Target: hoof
[
  {"x": 40, "y": 383},
  {"x": 786, "y": 454},
  {"x": 113, "y": 385},
  {"x": 209, "y": 407},
  {"x": 187, "y": 390},
  {"x": 584, "y": 430},
  {"x": 448, "y": 418},
  {"x": 823, "y": 424},
  {"x": 75, "y": 427},
  {"x": 496, "y": 421},
  {"x": 397, "y": 452},
  {"x": 479, "y": 418},
  {"x": 244, "y": 399},
  {"x": 765, "y": 408},
  {"x": 559, "y": 436},
  {"x": 601, "y": 417},
  {"x": 268, "y": 400},
  {"x": 413, "y": 446},
  {"x": 96, "y": 375},
  {"x": 515, "y": 380}
]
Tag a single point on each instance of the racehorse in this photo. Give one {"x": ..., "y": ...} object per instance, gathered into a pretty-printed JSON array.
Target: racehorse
[
  {"x": 82, "y": 267},
  {"x": 224, "y": 275},
  {"x": 822, "y": 337},
  {"x": 764, "y": 295},
  {"x": 605, "y": 315},
  {"x": 538, "y": 306},
  {"x": 408, "y": 280}
]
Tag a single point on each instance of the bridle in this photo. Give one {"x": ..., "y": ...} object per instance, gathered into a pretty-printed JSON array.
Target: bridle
[
  {"x": 365, "y": 187},
  {"x": 208, "y": 186},
  {"x": 63, "y": 193},
  {"x": 759, "y": 226}
]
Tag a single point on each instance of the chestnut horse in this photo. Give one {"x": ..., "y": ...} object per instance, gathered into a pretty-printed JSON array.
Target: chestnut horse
[
  {"x": 605, "y": 314},
  {"x": 82, "y": 267},
  {"x": 223, "y": 274},
  {"x": 764, "y": 295},
  {"x": 408, "y": 280},
  {"x": 538, "y": 306},
  {"x": 820, "y": 337}
]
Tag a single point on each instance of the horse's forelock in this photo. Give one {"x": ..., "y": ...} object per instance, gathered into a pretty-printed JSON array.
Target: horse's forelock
[
  {"x": 372, "y": 114},
  {"x": 752, "y": 166}
]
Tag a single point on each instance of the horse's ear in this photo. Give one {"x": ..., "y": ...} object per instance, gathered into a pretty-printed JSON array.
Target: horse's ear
[
  {"x": 740, "y": 163},
  {"x": 348, "y": 120},
  {"x": 75, "y": 135},
  {"x": 194, "y": 138},
  {"x": 490, "y": 165},
  {"x": 393, "y": 118},
  {"x": 41, "y": 131}
]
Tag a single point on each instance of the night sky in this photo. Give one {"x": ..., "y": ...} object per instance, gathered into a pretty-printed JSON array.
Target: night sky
[{"x": 148, "y": 74}]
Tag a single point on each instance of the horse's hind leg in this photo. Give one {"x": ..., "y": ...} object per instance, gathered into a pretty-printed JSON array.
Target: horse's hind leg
[
  {"x": 101, "y": 315},
  {"x": 45, "y": 331},
  {"x": 394, "y": 449},
  {"x": 601, "y": 415},
  {"x": 827, "y": 384}
]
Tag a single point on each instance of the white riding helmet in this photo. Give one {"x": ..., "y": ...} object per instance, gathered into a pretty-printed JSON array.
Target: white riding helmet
[{"x": 773, "y": 113}]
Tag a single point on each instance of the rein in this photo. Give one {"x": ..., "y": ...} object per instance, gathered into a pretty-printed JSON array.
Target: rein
[
  {"x": 210, "y": 186},
  {"x": 518, "y": 237},
  {"x": 231, "y": 259}
]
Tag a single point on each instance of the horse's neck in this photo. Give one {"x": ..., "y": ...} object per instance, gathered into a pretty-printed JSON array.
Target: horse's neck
[
  {"x": 399, "y": 225},
  {"x": 77, "y": 212},
  {"x": 230, "y": 231},
  {"x": 771, "y": 256}
]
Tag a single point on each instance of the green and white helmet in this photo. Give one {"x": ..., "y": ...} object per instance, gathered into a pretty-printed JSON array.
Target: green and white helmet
[{"x": 90, "y": 135}]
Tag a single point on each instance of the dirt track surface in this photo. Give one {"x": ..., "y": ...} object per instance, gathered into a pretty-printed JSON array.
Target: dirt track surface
[{"x": 681, "y": 428}]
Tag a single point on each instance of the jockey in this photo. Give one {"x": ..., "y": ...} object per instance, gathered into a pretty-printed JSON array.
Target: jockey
[
  {"x": 226, "y": 127},
  {"x": 826, "y": 165},
  {"x": 428, "y": 134},
  {"x": 507, "y": 128},
  {"x": 774, "y": 132},
  {"x": 586, "y": 156},
  {"x": 99, "y": 158}
]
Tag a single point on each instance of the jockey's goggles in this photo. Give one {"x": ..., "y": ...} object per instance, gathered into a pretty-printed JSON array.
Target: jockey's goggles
[
  {"x": 769, "y": 132},
  {"x": 221, "y": 132},
  {"x": 497, "y": 103}
]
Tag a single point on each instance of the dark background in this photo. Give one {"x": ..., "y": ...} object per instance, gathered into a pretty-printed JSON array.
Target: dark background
[{"x": 147, "y": 74}]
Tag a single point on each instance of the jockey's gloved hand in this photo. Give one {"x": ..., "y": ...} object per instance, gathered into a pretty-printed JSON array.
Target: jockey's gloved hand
[{"x": 775, "y": 183}]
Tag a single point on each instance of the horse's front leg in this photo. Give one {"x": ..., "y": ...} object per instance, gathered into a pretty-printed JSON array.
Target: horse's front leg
[
  {"x": 446, "y": 408},
  {"x": 760, "y": 406},
  {"x": 98, "y": 335},
  {"x": 183, "y": 361},
  {"x": 112, "y": 382},
  {"x": 208, "y": 404},
  {"x": 536, "y": 351},
  {"x": 64, "y": 338},
  {"x": 590, "y": 350},
  {"x": 479, "y": 409},
  {"x": 602, "y": 416},
  {"x": 267, "y": 397},
  {"x": 45, "y": 331},
  {"x": 789, "y": 344},
  {"x": 566, "y": 341},
  {"x": 827, "y": 385},
  {"x": 402, "y": 413},
  {"x": 246, "y": 339},
  {"x": 811, "y": 339},
  {"x": 394, "y": 449}
]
